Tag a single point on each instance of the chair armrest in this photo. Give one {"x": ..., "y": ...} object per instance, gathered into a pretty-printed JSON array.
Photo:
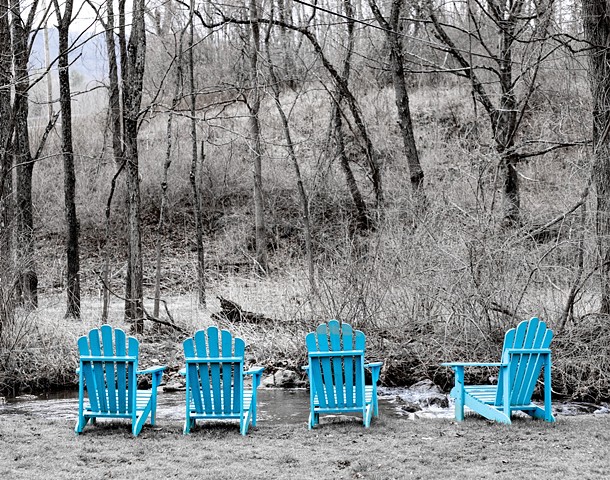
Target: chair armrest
[
  {"x": 305, "y": 368},
  {"x": 182, "y": 371},
  {"x": 254, "y": 371},
  {"x": 155, "y": 369},
  {"x": 257, "y": 373},
  {"x": 78, "y": 371},
  {"x": 472, "y": 364},
  {"x": 375, "y": 368}
]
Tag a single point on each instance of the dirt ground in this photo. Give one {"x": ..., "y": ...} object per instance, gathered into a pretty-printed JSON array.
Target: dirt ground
[{"x": 33, "y": 447}]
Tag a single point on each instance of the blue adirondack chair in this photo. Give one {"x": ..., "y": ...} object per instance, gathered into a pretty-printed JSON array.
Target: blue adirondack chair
[
  {"x": 215, "y": 380},
  {"x": 336, "y": 373},
  {"x": 524, "y": 354},
  {"x": 107, "y": 385}
]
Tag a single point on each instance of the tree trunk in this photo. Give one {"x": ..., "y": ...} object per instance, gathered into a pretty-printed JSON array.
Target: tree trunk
[
  {"x": 401, "y": 94},
  {"x": 505, "y": 125},
  {"x": 256, "y": 148},
  {"x": 596, "y": 21},
  {"x": 6, "y": 164},
  {"x": 114, "y": 118},
  {"x": 362, "y": 217},
  {"x": 26, "y": 278},
  {"x": 193, "y": 173},
  {"x": 65, "y": 102},
  {"x": 130, "y": 307},
  {"x": 132, "y": 98},
  {"x": 503, "y": 117}
]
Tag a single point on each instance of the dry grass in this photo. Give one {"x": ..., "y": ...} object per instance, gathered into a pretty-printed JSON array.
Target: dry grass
[{"x": 574, "y": 448}]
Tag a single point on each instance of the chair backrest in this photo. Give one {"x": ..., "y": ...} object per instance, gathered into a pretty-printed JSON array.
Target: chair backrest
[
  {"x": 336, "y": 365},
  {"x": 108, "y": 362},
  {"x": 214, "y": 370},
  {"x": 524, "y": 367}
]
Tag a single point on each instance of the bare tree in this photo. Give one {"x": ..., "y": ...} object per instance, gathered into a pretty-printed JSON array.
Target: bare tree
[
  {"x": 194, "y": 163},
  {"x": 343, "y": 90},
  {"x": 596, "y": 21},
  {"x": 507, "y": 43},
  {"x": 26, "y": 278},
  {"x": 391, "y": 27},
  {"x": 125, "y": 99},
  {"x": 254, "y": 102},
  {"x": 114, "y": 120},
  {"x": 133, "y": 68},
  {"x": 6, "y": 164},
  {"x": 65, "y": 100}
]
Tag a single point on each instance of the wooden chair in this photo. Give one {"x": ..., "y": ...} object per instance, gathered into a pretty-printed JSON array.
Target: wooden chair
[
  {"x": 336, "y": 373},
  {"x": 215, "y": 380},
  {"x": 524, "y": 354},
  {"x": 107, "y": 386}
]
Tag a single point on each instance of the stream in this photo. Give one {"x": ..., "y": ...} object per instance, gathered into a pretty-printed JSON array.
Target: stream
[{"x": 277, "y": 405}]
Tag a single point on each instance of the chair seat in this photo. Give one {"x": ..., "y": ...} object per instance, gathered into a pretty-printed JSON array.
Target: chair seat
[
  {"x": 487, "y": 394},
  {"x": 143, "y": 397},
  {"x": 368, "y": 399}
]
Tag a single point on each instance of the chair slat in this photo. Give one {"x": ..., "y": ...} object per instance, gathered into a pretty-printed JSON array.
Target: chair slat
[
  {"x": 86, "y": 369},
  {"x": 214, "y": 351},
  {"x": 203, "y": 370},
  {"x": 193, "y": 387},
  {"x": 98, "y": 370},
  {"x": 334, "y": 333},
  {"x": 348, "y": 362},
  {"x": 327, "y": 371},
  {"x": 120, "y": 342},
  {"x": 238, "y": 377},
  {"x": 315, "y": 370},
  {"x": 359, "y": 344},
  {"x": 108, "y": 349},
  {"x": 523, "y": 360},
  {"x": 536, "y": 366},
  {"x": 133, "y": 350},
  {"x": 227, "y": 370}
]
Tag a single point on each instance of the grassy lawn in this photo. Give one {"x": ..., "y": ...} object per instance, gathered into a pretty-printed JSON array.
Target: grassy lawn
[{"x": 574, "y": 447}]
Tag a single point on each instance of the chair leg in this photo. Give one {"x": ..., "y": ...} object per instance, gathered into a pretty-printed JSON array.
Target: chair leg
[
  {"x": 244, "y": 422},
  {"x": 459, "y": 393},
  {"x": 368, "y": 414},
  {"x": 81, "y": 423},
  {"x": 314, "y": 419},
  {"x": 188, "y": 425}
]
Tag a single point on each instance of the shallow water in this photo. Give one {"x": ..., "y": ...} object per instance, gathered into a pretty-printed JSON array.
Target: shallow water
[{"x": 275, "y": 406}]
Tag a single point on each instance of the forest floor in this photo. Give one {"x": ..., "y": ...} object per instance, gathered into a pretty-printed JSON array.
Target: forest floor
[{"x": 578, "y": 447}]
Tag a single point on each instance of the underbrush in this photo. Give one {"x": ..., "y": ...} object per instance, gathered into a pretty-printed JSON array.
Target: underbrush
[{"x": 446, "y": 290}]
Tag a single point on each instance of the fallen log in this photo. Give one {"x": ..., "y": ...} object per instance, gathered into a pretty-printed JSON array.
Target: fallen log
[{"x": 232, "y": 312}]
